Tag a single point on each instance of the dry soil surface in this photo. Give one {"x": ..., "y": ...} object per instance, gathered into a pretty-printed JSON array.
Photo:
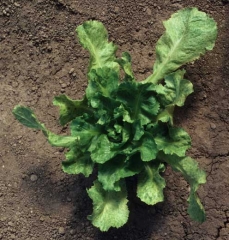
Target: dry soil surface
[{"x": 40, "y": 58}]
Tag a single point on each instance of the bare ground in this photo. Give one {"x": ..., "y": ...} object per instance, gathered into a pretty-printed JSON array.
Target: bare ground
[{"x": 38, "y": 48}]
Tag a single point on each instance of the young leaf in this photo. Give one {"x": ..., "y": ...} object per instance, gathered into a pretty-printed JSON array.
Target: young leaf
[
  {"x": 189, "y": 33},
  {"x": 151, "y": 184},
  {"x": 194, "y": 176},
  {"x": 138, "y": 101},
  {"x": 109, "y": 207},
  {"x": 70, "y": 109},
  {"x": 103, "y": 82},
  {"x": 93, "y": 36},
  {"x": 84, "y": 131}
]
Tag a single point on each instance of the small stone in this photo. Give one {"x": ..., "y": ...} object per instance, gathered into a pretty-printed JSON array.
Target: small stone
[
  {"x": 17, "y": 4},
  {"x": 33, "y": 178},
  {"x": 69, "y": 199},
  {"x": 148, "y": 11},
  {"x": 63, "y": 85},
  {"x": 72, "y": 231},
  {"x": 74, "y": 74},
  {"x": 71, "y": 70},
  {"x": 61, "y": 230},
  {"x": 116, "y": 9},
  {"x": 10, "y": 224},
  {"x": 12, "y": 236},
  {"x": 213, "y": 126},
  {"x": 49, "y": 49}
]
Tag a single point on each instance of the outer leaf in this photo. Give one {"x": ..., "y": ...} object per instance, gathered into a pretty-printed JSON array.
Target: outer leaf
[
  {"x": 77, "y": 162},
  {"x": 62, "y": 141},
  {"x": 93, "y": 37},
  {"x": 175, "y": 90},
  {"x": 125, "y": 63},
  {"x": 189, "y": 33},
  {"x": 70, "y": 109},
  {"x": 119, "y": 167},
  {"x": 27, "y": 117},
  {"x": 109, "y": 207},
  {"x": 150, "y": 184},
  {"x": 194, "y": 176},
  {"x": 177, "y": 142}
]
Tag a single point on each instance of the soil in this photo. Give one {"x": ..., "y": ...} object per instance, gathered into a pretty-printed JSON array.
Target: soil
[{"x": 41, "y": 58}]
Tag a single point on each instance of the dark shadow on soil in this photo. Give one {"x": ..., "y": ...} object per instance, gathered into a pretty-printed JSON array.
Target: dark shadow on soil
[{"x": 48, "y": 195}]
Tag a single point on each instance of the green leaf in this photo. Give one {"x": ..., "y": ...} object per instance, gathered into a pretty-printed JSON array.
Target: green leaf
[
  {"x": 125, "y": 63},
  {"x": 189, "y": 33},
  {"x": 103, "y": 83},
  {"x": 175, "y": 90},
  {"x": 101, "y": 149},
  {"x": 61, "y": 141},
  {"x": 93, "y": 36},
  {"x": 70, "y": 109},
  {"x": 194, "y": 176},
  {"x": 27, "y": 117},
  {"x": 147, "y": 147},
  {"x": 151, "y": 184},
  {"x": 109, "y": 207},
  {"x": 84, "y": 131},
  {"x": 77, "y": 162},
  {"x": 166, "y": 115},
  {"x": 138, "y": 101},
  {"x": 176, "y": 141},
  {"x": 117, "y": 168}
]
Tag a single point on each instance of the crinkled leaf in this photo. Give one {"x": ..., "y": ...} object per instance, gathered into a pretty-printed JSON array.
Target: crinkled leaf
[
  {"x": 175, "y": 90},
  {"x": 118, "y": 134},
  {"x": 125, "y": 63},
  {"x": 27, "y": 117},
  {"x": 103, "y": 82},
  {"x": 138, "y": 130},
  {"x": 123, "y": 113},
  {"x": 189, "y": 33},
  {"x": 166, "y": 115},
  {"x": 109, "y": 207},
  {"x": 151, "y": 184},
  {"x": 194, "y": 176},
  {"x": 70, "y": 109},
  {"x": 84, "y": 131},
  {"x": 148, "y": 148},
  {"x": 176, "y": 141},
  {"x": 117, "y": 168},
  {"x": 138, "y": 101},
  {"x": 61, "y": 141},
  {"x": 93, "y": 36},
  {"x": 77, "y": 162},
  {"x": 101, "y": 149}
]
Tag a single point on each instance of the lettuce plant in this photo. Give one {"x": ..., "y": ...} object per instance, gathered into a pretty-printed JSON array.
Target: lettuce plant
[{"x": 124, "y": 127}]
